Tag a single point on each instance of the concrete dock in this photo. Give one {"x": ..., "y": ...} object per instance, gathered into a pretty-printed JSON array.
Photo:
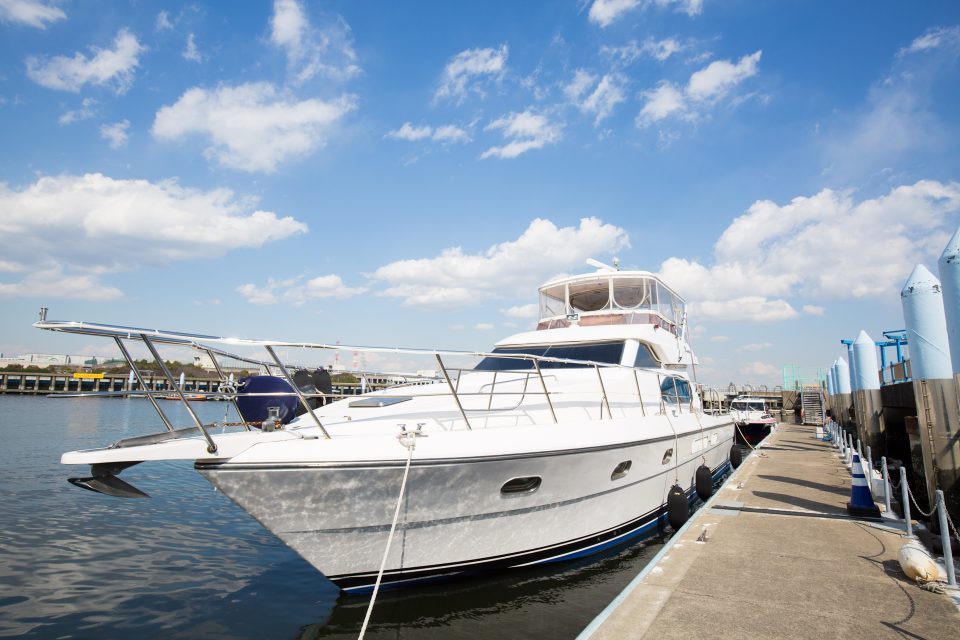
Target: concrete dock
[{"x": 775, "y": 555}]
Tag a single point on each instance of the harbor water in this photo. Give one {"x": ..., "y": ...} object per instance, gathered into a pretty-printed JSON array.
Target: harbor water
[{"x": 188, "y": 563}]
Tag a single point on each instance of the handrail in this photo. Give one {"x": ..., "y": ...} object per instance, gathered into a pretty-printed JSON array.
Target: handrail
[
  {"x": 143, "y": 384},
  {"x": 211, "y": 445},
  {"x": 150, "y": 337},
  {"x": 456, "y": 398},
  {"x": 296, "y": 389}
]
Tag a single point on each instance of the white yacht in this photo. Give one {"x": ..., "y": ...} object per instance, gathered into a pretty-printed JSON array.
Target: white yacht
[
  {"x": 753, "y": 418},
  {"x": 562, "y": 441}
]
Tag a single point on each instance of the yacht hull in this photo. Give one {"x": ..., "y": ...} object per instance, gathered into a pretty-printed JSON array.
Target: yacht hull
[{"x": 455, "y": 519}]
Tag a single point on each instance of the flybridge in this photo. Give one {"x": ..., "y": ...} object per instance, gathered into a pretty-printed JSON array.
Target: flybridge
[{"x": 610, "y": 297}]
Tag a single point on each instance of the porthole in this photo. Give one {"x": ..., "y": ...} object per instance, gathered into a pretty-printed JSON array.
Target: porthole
[
  {"x": 667, "y": 456},
  {"x": 621, "y": 470},
  {"x": 520, "y": 486}
]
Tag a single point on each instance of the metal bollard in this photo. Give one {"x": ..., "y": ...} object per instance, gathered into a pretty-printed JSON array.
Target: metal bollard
[
  {"x": 869, "y": 469},
  {"x": 859, "y": 450},
  {"x": 905, "y": 501},
  {"x": 945, "y": 538},
  {"x": 886, "y": 483}
]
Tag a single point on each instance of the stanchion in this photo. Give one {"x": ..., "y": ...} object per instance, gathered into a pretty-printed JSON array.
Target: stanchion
[
  {"x": 870, "y": 468},
  {"x": 945, "y": 539},
  {"x": 905, "y": 501},
  {"x": 886, "y": 483}
]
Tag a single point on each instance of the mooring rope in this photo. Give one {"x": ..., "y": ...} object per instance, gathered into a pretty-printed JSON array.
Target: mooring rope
[{"x": 408, "y": 440}]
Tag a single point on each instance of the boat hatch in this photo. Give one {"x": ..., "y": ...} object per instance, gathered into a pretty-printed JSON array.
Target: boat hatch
[{"x": 376, "y": 401}]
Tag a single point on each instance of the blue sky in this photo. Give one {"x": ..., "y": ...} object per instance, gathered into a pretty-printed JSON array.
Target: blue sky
[{"x": 407, "y": 174}]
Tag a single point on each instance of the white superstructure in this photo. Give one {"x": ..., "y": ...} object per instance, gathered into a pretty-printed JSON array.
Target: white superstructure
[{"x": 561, "y": 442}]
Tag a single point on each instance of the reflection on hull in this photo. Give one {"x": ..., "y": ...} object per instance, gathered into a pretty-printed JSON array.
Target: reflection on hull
[{"x": 451, "y": 526}]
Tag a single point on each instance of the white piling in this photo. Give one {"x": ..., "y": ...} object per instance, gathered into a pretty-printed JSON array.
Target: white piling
[
  {"x": 933, "y": 380},
  {"x": 949, "y": 266},
  {"x": 841, "y": 378}
]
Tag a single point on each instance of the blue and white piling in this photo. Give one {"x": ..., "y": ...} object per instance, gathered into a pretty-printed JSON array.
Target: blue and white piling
[
  {"x": 831, "y": 394},
  {"x": 933, "y": 379},
  {"x": 841, "y": 378},
  {"x": 866, "y": 392}
]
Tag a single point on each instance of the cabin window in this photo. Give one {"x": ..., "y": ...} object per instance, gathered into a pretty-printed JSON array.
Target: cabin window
[
  {"x": 590, "y": 296},
  {"x": 640, "y": 293},
  {"x": 645, "y": 357},
  {"x": 603, "y": 352},
  {"x": 520, "y": 486},
  {"x": 553, "y": 302},
  {"x": 672, "y": 388}
]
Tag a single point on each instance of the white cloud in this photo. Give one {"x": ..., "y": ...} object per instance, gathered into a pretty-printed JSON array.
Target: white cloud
[
  {"x": 465, "y": 71},
  {"x": 327, "y": 52},
  {"x": 508, "y": 269},
  {"x": 606, "y": 12},
  {"x": 296, "y": 292},
  {"x": 934, "y": 38},
  {"x": 600, "y": 102},
  {"x": 85, "y": 111},
  {"x": 761, "y": 370},
  {"x": 717, "y": 79},
  {"x": 898, "y": 124},
  {"x": 115, "y": 133},
  {"x": 483, "y": 326},
  {"x": 814, "y": 310},
  {"x": 190, "y": 52},
  {"x": 706, "y": 87},
  {"x": 582, "y": 81},
  {"x": 719, "y": 339},
  {"x": 523, "y": 312},
  {"x": 34, "y": 13},
  {"x": 162, "y": 23},
  {"x": 51, "y": 282},
  {"x": 660, "y": 103},
  {"x": 257, "y": 295},
  {"x": 756, "y": 346},
  {"x": 445, "y": 133},
  {"x": 112, "y": 67},
  {"x": 251, "y": 127},
  {"x": 775, "y": 252},
  {"x": 525, "y": 131},
  {"x": 75, "y": 229},
  {"x": 632, "y": 51}
]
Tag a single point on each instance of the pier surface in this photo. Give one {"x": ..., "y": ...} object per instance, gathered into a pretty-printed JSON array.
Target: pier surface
[{"x": 781, "y": 559}]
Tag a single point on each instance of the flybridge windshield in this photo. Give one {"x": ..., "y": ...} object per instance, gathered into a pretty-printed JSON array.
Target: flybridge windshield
[
  {"x": 747, "y": 406},
  {"x": 605, "y": 352},
  {"x": 610, "y": 293}
]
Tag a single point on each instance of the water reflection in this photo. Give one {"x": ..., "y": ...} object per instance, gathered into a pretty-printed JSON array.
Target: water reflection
[{"x": 188, "y": 563}]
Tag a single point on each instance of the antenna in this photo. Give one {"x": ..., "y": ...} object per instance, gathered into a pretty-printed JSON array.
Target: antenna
[{"x": 599, "y": 265}]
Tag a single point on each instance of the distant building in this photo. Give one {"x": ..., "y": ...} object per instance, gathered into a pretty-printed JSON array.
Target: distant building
[{"x": 44, "y": 360}]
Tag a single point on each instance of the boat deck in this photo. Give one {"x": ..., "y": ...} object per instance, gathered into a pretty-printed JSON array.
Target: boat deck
[{"x": 782, "y": 559}]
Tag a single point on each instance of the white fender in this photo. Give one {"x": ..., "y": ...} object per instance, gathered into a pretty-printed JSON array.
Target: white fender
[{"x": 918, "y": 564}]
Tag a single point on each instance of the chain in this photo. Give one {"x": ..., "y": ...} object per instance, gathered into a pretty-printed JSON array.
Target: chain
[
  {"x": 914, "y": 501},
  {"x": 950, "y": 524},
  {"x": 953, "y": 528}
]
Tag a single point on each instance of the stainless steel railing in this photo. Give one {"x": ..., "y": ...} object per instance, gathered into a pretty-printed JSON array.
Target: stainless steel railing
[{"x": 532, "y": 371}]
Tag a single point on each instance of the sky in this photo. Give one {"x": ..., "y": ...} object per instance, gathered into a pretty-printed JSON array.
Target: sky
[{"x": 407, "y": 174}]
